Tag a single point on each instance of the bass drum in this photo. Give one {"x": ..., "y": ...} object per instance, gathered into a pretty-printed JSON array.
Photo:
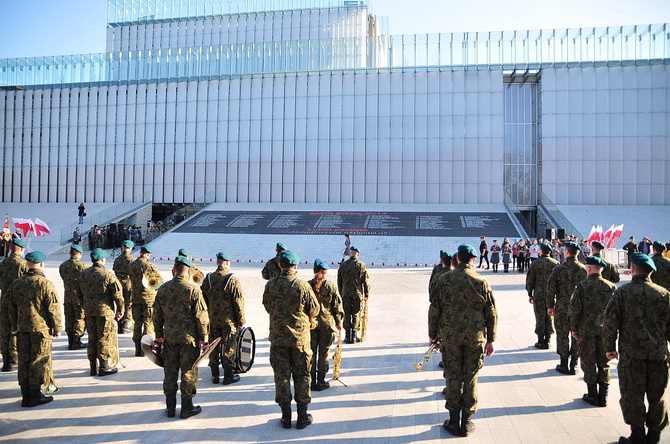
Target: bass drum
[{"x": 245, "y": 350}]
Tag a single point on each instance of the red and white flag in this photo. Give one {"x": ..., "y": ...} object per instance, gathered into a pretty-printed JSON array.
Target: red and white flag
[
  {"x": 616, "y": 234},
  {"x": 596, "y": 234},
  {"x": 609, "y": 235},
  {"x": 7, "y": 228},
  {"x": 41, "y": 228},
  {"x": 25, "y": 225}
]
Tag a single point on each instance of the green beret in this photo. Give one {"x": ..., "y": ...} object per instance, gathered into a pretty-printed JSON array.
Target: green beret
[
  {"x": 77, "y": 248},
  {"x": 146, "y": 249},
  {"x": 659, "y": 246},
  {"x": 183, "y": 252},
  {"x": 128, "y": 244},
  {"x": 289, "y": 257},
  {"x": 98, "y": 254},
  {"x": 594, "y": 260},
  {"x": 445, "y": 256},
  {"x": 224, "y": 256},
  {"x": 183, "y": 260},
  {"x": 19, "y": 243},
  {"x": 280, "y": 246},
  {"x": 36, "y": 257},
  {"x": 545, "y": 247},
  {"x": 352, "y": 248},
  {"x": 599, "y": 245},
  {"x": 570, "y": 244},
  {"x": 644, "y": 260},
  {"x": 467, "y": 249},
  {"x": 319, "y": 264}
]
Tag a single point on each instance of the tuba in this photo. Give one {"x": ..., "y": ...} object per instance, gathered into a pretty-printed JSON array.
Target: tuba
[
  {"x": 197, "y": 277},
  {"x": 151, "y": 281}
]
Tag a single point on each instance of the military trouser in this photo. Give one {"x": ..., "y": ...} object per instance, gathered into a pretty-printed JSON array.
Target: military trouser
[
  {"x": 595, "y": 364},
  {"x": 225, "y": 353},
  {"x": 322, "y": 339},
  {"x": 352, "y": 312},
  {"x": 565, "y": 343},
  {"x": 462, "y": 361},
  {"x": 143, "y": 318},
  {"x": 178, "y": 357},
  {"x": 7, "y": 335},
  {"x": 74, "y": 319},
  {"x": 640, "y": 377},
  {"x": 101, "y": 338},
  {"x": 543, "y": 322},
  {"x": 34, "y": 357},
  {"x": 127, "y": 302},
  {"x": 287, "y": 361}
]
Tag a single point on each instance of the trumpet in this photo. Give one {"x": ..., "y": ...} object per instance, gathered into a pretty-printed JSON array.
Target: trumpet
[
  {"x": 151, "y": 281},
  {"x": 197, "y": 277},
  {"x": 434, "y": 348}
]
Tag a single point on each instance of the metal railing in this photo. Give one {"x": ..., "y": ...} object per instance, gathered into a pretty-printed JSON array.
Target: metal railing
[
  {"x": 558, "y": 216},
  {"x": 525, "y": 223},
  {"x": 179, "y": 216}
]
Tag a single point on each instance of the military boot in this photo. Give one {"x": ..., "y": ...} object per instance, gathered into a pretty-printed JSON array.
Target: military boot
[
  {"x": 545, "y": 344},
  {"x": 24, "y": 397},
  {"x": 286, "y": 416},
  {"x": 304, "y": 418},
  {"x": 653, "y": 436},
  {"x": 312, "y": 385},
  {"x": 94, "y": 368},
  {"x": 592, "y": 396},
  {"x": 138, "y": 349},
  {"x": 171, "y": 405},
  {"x": 215, "y": 375},
  {"x": 35, "y": 398},
  {"x": 563, "y": 366},
  {"x": 636, "y": 436},
  {"x": 603, "y": 390},
  {"x": 229, "y": 377},
  {"x": 347, "y": 336},
  {"x": 7, "y": 364},
  {"x": 119, "y": 327},
  {"x": 105, "y": 369},
  {"x": 321, "y": 383},
  {"x": 77, "y": 344},
  {"x": 573, "y": 365},
  {"x": 70, "y": 341},
  {"x": 452, "y": 425},
  {"x": 467, "y": 426},
  {"x": 188, "y": 409},
  {"x": 540, "y": 341}
]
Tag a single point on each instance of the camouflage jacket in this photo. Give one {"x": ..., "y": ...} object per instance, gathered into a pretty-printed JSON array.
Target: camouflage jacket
[
  {"x": 464, "y": 307},
  {"x": 610, "y": 271},
  {"x": 588, "y": 303},
  {"x": 223, "y": 295},
  {"x": 639, "y": 314},
  {"x": 180, "y": 313},
  {"x": 330, "y": 305},
  {"x": 438, "y": 271},
  {"x": 353, "y": 279},
  {"x": 562, "y": 283},
  {"x": 137, "y": 269},
  {"x": 271, "y": 269},
  {"x": 69, "y": 272},
  {"x": 290, "y": 302},
  {"x": 121, "y": 269},
  {"x": 538, "y": 275},
  {"x": 98, "y": 290},
  {"x": 11, "y": 268},
  {"x": 34, "y": 305},
  {"x": 662, "y": 274}
]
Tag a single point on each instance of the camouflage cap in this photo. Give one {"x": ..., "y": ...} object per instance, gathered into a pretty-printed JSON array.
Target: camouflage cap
[
  {"x": 644, "y": 260},
  {"x": 36, "y": 257},
  {"x": 224, "y": 256},
  {"x": 19, "y": 243},
  {"x": 319, "y": 264},
  {"x": 183, "y": 260},
  {"x": 289, "y": 257},
  {"x": 597, "y": 244},
  {"x": 467, "y": 249},
  {"x": 98, "y": 254},
  {"x": 128, "y": 244},
  {"x": 594, "y": 260}
]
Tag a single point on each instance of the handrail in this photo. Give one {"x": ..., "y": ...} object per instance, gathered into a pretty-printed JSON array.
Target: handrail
[
  {"x": 563, "y": 221},
  {"x": 525, "y": 223},
  {"x": 179, "y": 216}
]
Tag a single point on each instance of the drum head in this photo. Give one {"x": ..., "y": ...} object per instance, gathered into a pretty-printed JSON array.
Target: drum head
[{"x": 245, "y": 350}]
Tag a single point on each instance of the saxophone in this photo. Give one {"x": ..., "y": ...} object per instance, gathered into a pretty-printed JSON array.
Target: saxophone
[{"x": 337, "y": 358}]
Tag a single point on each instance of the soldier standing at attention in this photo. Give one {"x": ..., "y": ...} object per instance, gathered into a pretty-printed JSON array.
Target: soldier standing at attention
[
  {"x": 587, "y": 309},
  {"x": 329, "y": 322},
  {"x": 610, "y": 271},
  {"x": 225, "y": 303},
  {"x": 182, "y": 329},
  {"x": 69, "y": 271},
  {"x": 290, "y": 303},
  {"x": 143, "y": 298},
  {"x": 464, "y": 316},
  {"x": 639, "y": 314},
  {"x": 443, "y": 267},
  {"x": 353, "y": 282},
  {"x": 98, "y": 290},
  {"x": 121, "y": 269},
  {"x": 35, "y": 316},
  {"x": 631, "y": 248},
  {"x": 662, "y": 274},
  {"x": 560, "y": 286},
  {"x": 271, "y": 268},
  {"x": 536, "y": 286},
  {"x": 11, "y": 268}
]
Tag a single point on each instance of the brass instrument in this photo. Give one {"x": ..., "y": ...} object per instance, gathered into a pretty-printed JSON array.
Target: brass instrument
[
  {"x": 337, "y": 358},
  {"x": 151, "y": 281},
  {"x": 313, "y": 323},
  {"x": 434, "y": 348},
  {"x": 49, "y": 385},
  {"x": 197, "y": 277},
  {"x": 364, "y": 321}
]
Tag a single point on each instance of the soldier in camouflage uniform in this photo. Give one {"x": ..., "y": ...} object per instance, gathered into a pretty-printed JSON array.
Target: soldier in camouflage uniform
[
  {"x": 121, "y": 269},
  {"x": 290, "y": 303},
  {"x": 610, "y": 271},
  {"x": 587, "y": 309},
  {"x": 353, "y": 283},
  {"x": 444, "y": 266},
  {"x": 464, "y": 316},
  {"x": 639, "y": 314},
  {"x": 11, "y": 268},
  {"x": 662, "y": 274},
  {"x": 536, "y": 286},
  {"x": 98, "y": 290},
  {"x": 182, "y": 329},
  {"x": 271, "y": 268},
  {"x": 143, "y": 298},
  {"x": 35, "y": 316},
  {"x": 70, "y": 271},
  {"x": 329, "y": 322},
  {"x": 225, "y": 302},
  {"x": 560, "y": 286}
]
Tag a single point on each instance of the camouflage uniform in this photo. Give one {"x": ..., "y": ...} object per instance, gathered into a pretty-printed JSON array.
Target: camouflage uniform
[
  {"x": 181, "y": 318},
  {"x": 587, "y": 308},
  {"x": 560, "y": 286},
  {"x": 662, "y": 274},
  {"x": 610, "y": 271},
  {"x": 353, "y": 282},
  {"x": 271, "y": 268},
  {"x": 536, "y": 286},
  {"x": 36, "y": 317},
  {"x": 143, "y": 299},
  {"x": 225, "y": 302},
  {"x": 464, "y": 316},
  {"x": 438, "y": 270},
  {"x": 290, "y": 303},
  {"x": 121, "y": 269},
  {"x": 330, "y": 316},
  {"x": 70, "y": 271},
  {"x": 98, "y": 290},
  {"x": 639, "y": 314},
  {"x": 11, "y": 268}
]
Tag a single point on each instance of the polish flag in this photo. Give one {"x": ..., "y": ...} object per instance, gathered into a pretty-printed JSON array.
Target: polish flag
[
  {"x": 41, "y": 228},
  {"x": 609, "y": 235},
  {"x": 596, "y": 234},
  {"x": 25, "y": 225},
  {"x": 7, "y": 228},
  {"x": 616, "y": 234},
  {"x": 592, "y": 235}
]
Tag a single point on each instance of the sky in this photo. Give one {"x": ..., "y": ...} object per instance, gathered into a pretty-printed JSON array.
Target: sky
[{"x": 31, "y": 28}]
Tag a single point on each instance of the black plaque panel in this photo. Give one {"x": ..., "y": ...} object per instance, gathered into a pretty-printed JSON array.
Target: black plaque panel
[{"x": 352, "y": 222}]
